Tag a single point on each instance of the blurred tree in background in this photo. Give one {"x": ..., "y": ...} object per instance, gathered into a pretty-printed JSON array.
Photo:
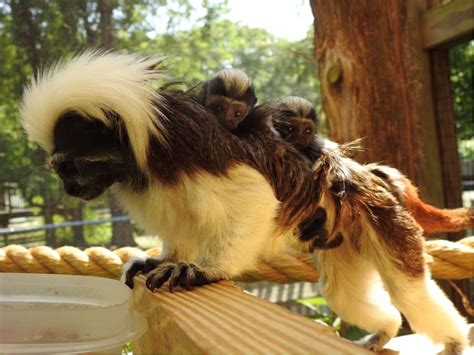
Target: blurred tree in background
[
  {"x": 198, "y": 41},
  {"x": 462, "y": 66}
]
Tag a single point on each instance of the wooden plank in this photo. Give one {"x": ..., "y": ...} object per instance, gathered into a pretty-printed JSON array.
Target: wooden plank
[
  {"x": 449, "y": 22},
  {"x": 222, "y": 319}
]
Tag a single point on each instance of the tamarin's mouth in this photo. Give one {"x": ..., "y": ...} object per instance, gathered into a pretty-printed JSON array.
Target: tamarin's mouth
[{"x": 85, "y": 192}]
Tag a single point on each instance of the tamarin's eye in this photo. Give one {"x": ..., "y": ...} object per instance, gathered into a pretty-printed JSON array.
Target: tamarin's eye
[
  {"x": 218, "y": 108},
  {"x": 307, "y": 130},
  {"x": 238, "y": 113},
  {"x": 290, "y": 129}
]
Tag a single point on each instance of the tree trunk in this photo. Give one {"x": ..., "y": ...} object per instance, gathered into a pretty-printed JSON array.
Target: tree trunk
[
  {"x": 105, "y": 8},
  {"x": 26, "y": 31},
  {"x": 369, "y": 65},
  {"x": 122, "y": 234}
]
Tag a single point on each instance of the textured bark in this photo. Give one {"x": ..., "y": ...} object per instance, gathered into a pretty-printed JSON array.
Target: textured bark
[{"x": 369, "y": 84}]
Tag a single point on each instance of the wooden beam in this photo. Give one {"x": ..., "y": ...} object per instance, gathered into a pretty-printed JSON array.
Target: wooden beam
[
  {"x": 447, "y": 23},
  {"x": 222, "y": 319}
]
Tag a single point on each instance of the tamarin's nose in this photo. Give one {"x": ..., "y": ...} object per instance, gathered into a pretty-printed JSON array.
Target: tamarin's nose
[
  {"x": 63, "y": 166},
  {"x": 67, "y": 168}
]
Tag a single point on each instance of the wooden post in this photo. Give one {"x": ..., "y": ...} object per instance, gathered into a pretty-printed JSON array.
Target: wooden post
[{"x": 221, "y": 319}]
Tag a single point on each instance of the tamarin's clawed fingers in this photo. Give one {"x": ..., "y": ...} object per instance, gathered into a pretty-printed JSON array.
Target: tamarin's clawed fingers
[
  {"x": 138, "y": 265},
  {"x": 185, "y": 275}
]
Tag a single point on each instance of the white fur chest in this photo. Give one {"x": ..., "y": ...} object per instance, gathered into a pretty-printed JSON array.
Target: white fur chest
[{"x": 207, "y": 216}]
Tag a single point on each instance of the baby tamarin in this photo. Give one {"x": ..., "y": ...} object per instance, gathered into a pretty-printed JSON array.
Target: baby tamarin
[
  {"x": 296, "y": 122},
  {"x": 230, "y": 96}
]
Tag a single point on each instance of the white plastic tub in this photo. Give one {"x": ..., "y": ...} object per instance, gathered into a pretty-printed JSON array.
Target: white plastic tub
[{"x": 44, "y": 314}]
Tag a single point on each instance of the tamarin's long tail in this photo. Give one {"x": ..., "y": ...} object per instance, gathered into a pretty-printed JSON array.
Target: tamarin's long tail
[{"x": 436, "y": 220}]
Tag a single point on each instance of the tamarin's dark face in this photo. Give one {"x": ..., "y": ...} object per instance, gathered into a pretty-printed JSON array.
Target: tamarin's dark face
[
  {"x": 230, "y": 96},
  {"x": 89, "y": 157},
  {"x": 295, "y": 120}
]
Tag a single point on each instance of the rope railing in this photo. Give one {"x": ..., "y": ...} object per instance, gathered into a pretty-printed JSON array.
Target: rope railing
[{"x": 447, "y": 260}]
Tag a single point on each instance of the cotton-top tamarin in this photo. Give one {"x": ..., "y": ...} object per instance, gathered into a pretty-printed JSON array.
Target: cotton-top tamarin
[
  {"x": 230, "y": 95},
  {"x": 220, "y": 201}
]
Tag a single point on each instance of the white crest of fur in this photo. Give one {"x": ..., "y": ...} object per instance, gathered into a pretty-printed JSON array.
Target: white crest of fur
[
  {"x": 235, "y": 80},
  {"x": 90, "y": 83},
  {"x": 296, "y": 104}
]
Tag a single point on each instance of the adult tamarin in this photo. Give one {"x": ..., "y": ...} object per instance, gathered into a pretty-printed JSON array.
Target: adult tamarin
[
  {"x": 220, "y": 201},
  {"x": 296, "y": 121}
]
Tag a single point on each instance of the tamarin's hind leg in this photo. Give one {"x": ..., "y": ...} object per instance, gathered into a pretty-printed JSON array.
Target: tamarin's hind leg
[
  {"x": 428, "y": 310},
  {"x": 354, "y": 291},
  {"x": 400, "y": 261}
]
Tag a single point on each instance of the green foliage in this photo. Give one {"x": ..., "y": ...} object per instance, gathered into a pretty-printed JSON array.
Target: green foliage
[
  {"x": 96, "y": 234},
  {"x": 63, "y": 235},
  {"x": 197, "y": 40},
  {"x": 323, "y": 313},
  {"x": 127, "y": 348},
  {"x": 462, "y": 67}
]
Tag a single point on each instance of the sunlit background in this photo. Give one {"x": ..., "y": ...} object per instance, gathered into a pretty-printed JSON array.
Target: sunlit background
[{"x": 271, "y": 40}]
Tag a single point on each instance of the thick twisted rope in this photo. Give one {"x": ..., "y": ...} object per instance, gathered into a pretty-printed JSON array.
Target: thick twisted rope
[{"x": 447, "y": 260}]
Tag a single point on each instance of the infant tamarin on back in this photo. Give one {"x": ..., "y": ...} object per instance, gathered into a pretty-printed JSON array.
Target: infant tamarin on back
[
  {"x": 231, "y": 97},
  {"x": 296, "y": 121}
]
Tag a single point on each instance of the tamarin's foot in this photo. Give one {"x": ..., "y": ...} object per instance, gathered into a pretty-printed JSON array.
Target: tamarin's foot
[
  {"x": 374, "y": 342},
  {"x": 453, "y": 348},
  {"x": 137, "y": 265},
  {"x": 181, "y": 274}
]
